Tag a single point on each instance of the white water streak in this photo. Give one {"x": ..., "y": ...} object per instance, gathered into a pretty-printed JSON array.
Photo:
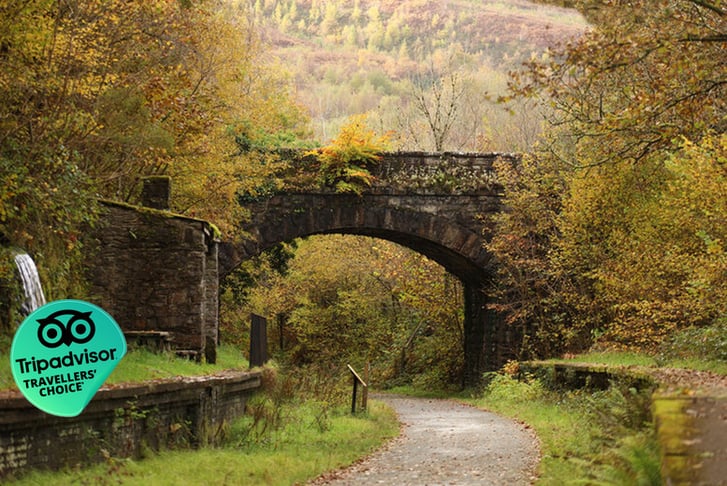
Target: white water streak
[{"x": 34, "y": 297}]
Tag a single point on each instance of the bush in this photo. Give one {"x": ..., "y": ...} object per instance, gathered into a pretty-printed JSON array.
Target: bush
[
  {"x": 706, "y": 343},
  {"x": 503, "y": 387},
  {"x": 345, "y": 163}
]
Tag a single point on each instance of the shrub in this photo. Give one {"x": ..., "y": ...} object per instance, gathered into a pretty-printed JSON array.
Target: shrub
[
  {"x": 345, "y": 163},
  {"x": 706, "y": 343}
]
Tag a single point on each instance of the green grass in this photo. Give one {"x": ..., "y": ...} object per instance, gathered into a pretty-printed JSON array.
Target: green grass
[
  {"x": 293, "y": 454},
  {"x": 142, "y": 365},
  {"x": 564, "y": 431},
  {"x": 289, "y": 442},
  {"x": 614, "y": 358},
  {"x": 583, "y": 439}
]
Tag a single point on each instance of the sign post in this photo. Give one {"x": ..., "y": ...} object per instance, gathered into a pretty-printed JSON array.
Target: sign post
[{"x": 63, "y": 352}]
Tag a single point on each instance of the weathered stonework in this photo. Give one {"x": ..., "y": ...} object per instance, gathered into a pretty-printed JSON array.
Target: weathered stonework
[
  {"x": 156, "y": 271},
  {"x": 121, "y": 421},
  {"x": 434, "y": 203}
]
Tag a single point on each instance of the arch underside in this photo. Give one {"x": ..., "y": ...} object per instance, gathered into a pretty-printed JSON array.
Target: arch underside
[
  {"x": 455, "y": 263},
  {"x": 458, "y": 249}
]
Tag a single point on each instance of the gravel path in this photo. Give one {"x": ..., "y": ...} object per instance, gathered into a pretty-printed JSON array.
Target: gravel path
[{"x": 444, "y": 442}]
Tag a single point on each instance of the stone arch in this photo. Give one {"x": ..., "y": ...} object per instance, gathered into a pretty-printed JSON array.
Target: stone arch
[
  {"x": 459, "y": 248},
  {"x": 456, "y": 247}
]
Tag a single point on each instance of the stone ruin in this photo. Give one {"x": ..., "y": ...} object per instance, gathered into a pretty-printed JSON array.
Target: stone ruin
[{"x": 156, "y": 273}]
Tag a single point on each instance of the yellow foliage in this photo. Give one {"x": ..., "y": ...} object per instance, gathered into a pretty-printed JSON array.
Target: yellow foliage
[{"x": 344, "y": 163}]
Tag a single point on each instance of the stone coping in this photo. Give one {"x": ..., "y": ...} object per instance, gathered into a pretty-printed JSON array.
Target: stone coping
[{"x": 13, "y": 404}]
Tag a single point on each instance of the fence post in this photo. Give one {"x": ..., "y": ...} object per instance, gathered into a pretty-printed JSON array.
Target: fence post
[
  {"x": 258, "y": 341},
  {"x": 365, "y": 391}
]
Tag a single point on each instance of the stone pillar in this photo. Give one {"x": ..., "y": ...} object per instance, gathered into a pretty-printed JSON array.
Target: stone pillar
[
  {"x": 156, "y": 191},
  {"x": 486, "y": 346}
]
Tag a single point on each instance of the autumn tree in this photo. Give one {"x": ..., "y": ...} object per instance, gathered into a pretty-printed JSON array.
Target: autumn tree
[
  {"x": 345, "y": 162},
  {"x": 436, "y": 102},
  {"x": 635, "y": 94},
  {"x": 450, "y": 105},
  {"x": 357, "y": 299},
  {"x": 96, "y": 95}
]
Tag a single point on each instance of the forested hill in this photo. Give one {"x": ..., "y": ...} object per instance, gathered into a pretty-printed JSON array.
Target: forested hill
[{"x": 347, "y": 56}]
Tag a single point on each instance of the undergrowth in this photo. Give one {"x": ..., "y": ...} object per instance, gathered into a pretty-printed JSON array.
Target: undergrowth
[{"x": 586, "y": 437}]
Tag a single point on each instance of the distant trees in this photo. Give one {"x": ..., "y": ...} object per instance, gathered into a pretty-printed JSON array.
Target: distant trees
[
  {"x": 398, "y": 39},
  {"x": 448, "y": 106},
  {"x": 437, "y": 100}
]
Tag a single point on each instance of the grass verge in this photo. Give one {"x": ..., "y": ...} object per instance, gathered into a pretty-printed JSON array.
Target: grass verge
[
  {"x": 291, "y": 454},
  {"x": 624, "y": 358},
  {"x": 142, "y": 365},
  {"x": 586, "y": 437}
]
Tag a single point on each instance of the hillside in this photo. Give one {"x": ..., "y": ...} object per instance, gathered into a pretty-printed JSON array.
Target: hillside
[{"x": 356, "y": 57}]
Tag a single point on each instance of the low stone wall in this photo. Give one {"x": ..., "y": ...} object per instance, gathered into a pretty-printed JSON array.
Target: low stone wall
[
  {"x": 589, "y": 376},
  {"x": 121, "y": 421}
]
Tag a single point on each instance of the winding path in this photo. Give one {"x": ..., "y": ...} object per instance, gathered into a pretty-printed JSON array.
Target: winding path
[{"x": 445, "y": 442}]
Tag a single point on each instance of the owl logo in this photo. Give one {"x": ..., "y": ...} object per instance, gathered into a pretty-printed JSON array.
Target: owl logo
[{"x": 65, "y": 327}]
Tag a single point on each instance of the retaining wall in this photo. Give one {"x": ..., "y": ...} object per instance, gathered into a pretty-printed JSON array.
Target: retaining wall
[{"x": 121, "y": 421}]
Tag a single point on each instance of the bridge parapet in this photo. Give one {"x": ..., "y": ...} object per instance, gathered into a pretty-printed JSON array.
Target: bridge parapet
[
  {"x": 438, "y": 173},
  {"x": 399, "y": 173}
]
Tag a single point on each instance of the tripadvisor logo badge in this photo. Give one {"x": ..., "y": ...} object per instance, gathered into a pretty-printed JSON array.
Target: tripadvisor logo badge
[
  {"x": 63, "y": 352},
  {"x": 79, "y": 328}
]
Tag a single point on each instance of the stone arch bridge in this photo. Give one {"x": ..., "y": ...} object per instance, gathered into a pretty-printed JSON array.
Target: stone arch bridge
[{"x": 432, "y": 203}]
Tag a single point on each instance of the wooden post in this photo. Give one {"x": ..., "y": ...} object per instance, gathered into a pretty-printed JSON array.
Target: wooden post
[
  {"x": 356, "y": 380},
  {"x": 258, "y": 341},
  {"x": 353, "y": 397}
]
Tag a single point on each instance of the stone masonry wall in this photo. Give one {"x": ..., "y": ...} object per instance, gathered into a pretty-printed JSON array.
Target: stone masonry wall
[
  {"x": 156, "y": 271},
  {"x": 121, "y": 421},
  {"x": 438, "y": 173}
]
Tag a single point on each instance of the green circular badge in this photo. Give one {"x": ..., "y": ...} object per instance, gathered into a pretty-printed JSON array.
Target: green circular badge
[{"x": 63, "y": 352}]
